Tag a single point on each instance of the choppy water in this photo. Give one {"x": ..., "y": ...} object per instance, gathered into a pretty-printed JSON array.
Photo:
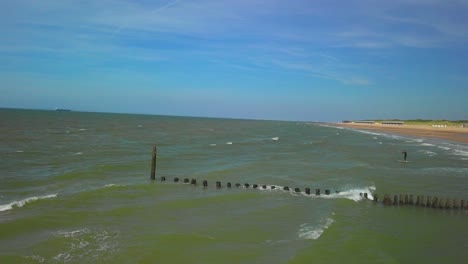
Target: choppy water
[{"x": 75, "y": 188}]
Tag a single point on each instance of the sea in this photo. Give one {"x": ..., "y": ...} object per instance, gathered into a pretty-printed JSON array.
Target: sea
[{"x": 75, "y": 187}]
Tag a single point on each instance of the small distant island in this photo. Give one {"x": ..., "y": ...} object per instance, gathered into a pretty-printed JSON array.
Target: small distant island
[
  {"x": 441, "y": 129},
  {"x": 62, "y": 110}
]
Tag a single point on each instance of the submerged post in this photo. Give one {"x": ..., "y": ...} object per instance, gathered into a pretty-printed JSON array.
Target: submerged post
[{"x": 153, "y": 163}]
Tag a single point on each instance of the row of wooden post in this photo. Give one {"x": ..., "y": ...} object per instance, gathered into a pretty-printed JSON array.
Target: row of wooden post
[
  {"x": 433, "y": 202},
  {"x": 247, "y": 185},
  {"x": 422, "y": 201}
]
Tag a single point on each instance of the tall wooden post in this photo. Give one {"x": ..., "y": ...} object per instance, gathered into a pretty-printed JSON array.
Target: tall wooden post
[{"x": 153, "y": 163}]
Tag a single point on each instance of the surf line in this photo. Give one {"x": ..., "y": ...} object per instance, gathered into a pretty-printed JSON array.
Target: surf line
[{"x": 398, "y": 200}]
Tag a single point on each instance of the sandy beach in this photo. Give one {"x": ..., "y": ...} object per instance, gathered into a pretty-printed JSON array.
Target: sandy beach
[{"x": 457, "y": 134}]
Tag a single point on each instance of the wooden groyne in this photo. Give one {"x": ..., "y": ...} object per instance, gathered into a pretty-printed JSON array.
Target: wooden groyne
[{"x": 388, "y": 200}]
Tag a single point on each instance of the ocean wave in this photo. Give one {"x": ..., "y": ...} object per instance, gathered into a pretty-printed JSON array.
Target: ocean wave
[
  {"x": 275, "y": 138},
  {"x": 113, "y": 185},
  {"x": 21, "y": 203},
  {"x": 229, "y": 143},
  {"x": 352, "y": 194},
  {"x": 427, "y": 145},
  {"x": 314, "y": 231},
  {"x": 460, "y": 152},
  {"x": 427, "y": 152}
]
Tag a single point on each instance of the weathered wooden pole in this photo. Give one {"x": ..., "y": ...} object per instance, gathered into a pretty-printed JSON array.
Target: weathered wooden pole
[
  {"x": 448, "y": 203},
  {"x": 402, "y": 201},
  {"x": 176, "y": 179},
  {"x": 286, "y": 188},
  {"x": 411, "y": 199},
  {"x": 387, "y": 200},
  {"x": 297, "y": 190},
  {"x": 307, "y": 191},
  {"x": 153, "y": 163},
  {"x": 435, "y": 202},
  {"x": 327, "y": 192},
  {"x": 317, "y": 191},
  {"x": 255, "y": 186},
  {"x": 462, "y": 204},
  {"x": 264, "y": 186},
  {"x": 395, "y": 199},
  {"x": 229, "y": 185},
  {"x": 186, "y": 180},
  {"x": 406, "y": 199},
  {"x": 421, "y": 201},
  {"x": 365, "y": 196},
  {"x": 456, "y": 205},
  {"x": 205, "y": 183},
  {"x": 193, "y": 182},
  {"x": 418, "y": 200},
  {"x": 246, "y": 185},
  {"x": 429, "y": 201},
  {"x": 163, "y": 178},
  {"x": 218, "y": 185},
  {"x": 376, "y": 198}
]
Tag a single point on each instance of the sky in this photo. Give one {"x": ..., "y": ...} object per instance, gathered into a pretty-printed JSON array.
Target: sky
[{"x": 262, "y": 59}]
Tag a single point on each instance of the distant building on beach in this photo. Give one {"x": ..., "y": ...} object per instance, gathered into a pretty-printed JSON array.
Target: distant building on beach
[{"x": 393, "y": 123}]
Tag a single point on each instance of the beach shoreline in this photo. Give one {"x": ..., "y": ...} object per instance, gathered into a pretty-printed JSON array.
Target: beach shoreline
[{"x": 456, "y": 134}]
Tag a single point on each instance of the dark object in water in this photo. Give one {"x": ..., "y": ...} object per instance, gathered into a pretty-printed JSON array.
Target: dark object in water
[
  {"x": 238, "y": 185},
  {"x": 297, "y": 190},
  {"x": 176, "y": 179},
  {"x": 163, "y": 178},
  {"x": 307, "y": 191},
  {"x": 186, "y": 180},
  {"x": 194, "y": 182},
  {"x": 205, "y": 183},
  {"x": 218, "y": 184},
  {"x": 255, "y": 186},
  {"x": 229, "y": 185},
  {"x": 286, "y": 188},
  {"x": 327, "y": 192},
  {"x": 264, "y": 186},
  {"x": 246, "y": 185}
]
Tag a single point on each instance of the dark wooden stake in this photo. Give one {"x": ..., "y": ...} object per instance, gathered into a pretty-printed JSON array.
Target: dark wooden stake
[{"x": 153, "y": 163}]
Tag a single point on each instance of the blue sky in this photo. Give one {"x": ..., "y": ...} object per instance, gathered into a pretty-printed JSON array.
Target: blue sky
[{"x": 263, "y": 59}]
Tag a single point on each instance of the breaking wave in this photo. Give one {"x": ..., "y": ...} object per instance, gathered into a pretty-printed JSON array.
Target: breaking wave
[{"x": 21, "y": 203}]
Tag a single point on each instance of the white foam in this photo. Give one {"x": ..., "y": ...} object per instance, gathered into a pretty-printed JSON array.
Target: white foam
[
  {"x": 444, "y": 148},
  {"x": 212, "y": 145},
  {"x": 82, "y": 129},
  {"x": 460, "y": 152},
  {"x": 79, "y": 153},
  {"x": 229, "y": 143},
  {"x": 140, "y": 126},
  {"x": 275, "y": 138},
  {"x": 427, "y": 145},
  {"x": 84, "y": 243},
  {"x": 352, "y": 194},
  {"x": 21, "y": 203},
  {"x": 427, "y": 152},
  {"x": 113, "y": 185},
  {"x": 19, "y": 151},
  {"x": 314, "y": 231}
]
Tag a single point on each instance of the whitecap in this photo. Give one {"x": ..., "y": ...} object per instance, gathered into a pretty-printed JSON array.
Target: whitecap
[
  {"x": 113, "y": 185},
  {"x": 21, "y": 203},
  {"x": 460, "y": 152},
  {"x": 314, "y": 231},
  {"x": 275, "y": 138},
  {"x": 19, "y": 151},
  {"x": 79, "y": 153},
  {"x": 444, "y": 148},
  {"x": 427, "y": 152},
  {"x": 212, "y": 145},
  {"x": 427, "y": 145},
  {"x": 229, "y": 143},
  {"x": 82, "y": 129},
  {"x": 140, "y": 126}
]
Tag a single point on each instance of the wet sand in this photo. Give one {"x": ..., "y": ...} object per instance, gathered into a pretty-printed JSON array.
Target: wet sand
[{"x": 457, "y": 134}]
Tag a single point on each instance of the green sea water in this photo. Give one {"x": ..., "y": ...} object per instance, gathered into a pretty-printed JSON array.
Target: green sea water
[{"x": 75, "y": 188}]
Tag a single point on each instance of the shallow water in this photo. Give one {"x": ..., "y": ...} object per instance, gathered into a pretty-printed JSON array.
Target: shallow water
[{"x": 76, "y": 189}]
